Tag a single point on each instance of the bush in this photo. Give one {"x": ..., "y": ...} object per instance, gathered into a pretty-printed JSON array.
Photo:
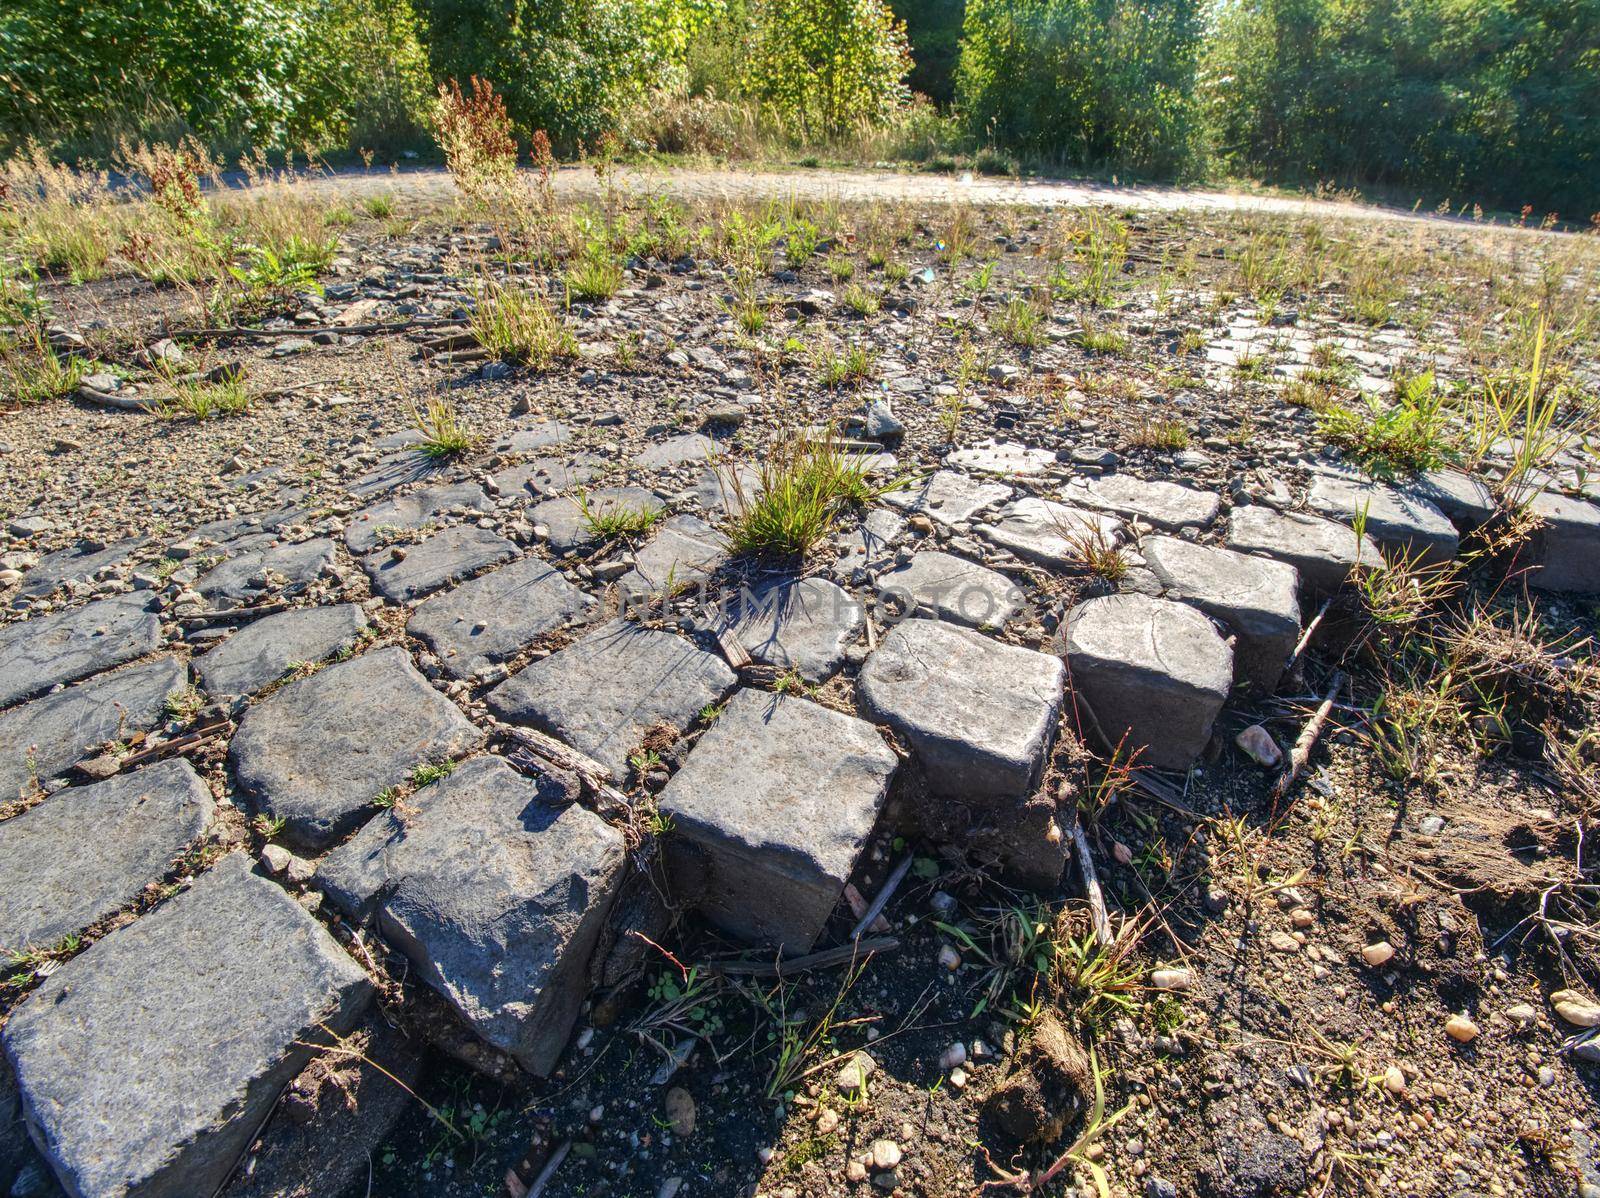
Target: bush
[
  {"x": 1093, "y": 82},
  {"x": 1488, "y": 101},
  {"x": 827, "y": 66}
]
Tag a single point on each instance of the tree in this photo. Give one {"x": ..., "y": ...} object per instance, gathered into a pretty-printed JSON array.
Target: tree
[{"x": 827, "y": 65}]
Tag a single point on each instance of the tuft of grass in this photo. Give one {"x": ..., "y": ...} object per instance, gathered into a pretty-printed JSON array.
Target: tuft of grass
[
  {"x": 203, "y": 401},
  {"x": 1097, "y": 340},
  {"x": 613, "y": 521},
  {"x": 1161, "y": 434},
  {"x": 801, "y": 239},
  {"x": 380, "y": 206},
  {"x": 517, "y": 325},
  {"x": 806, "y": 484},
  {"x": 31, "y": 371},
  {"x": 1408, "y": 434},
  {"x": 859, "y": 300},
  {"x": 443, "y": 432},
  {"x": 431, "y": 771},
  {"x": 856, "y": 364},
  {"x": 1021, "y": 323},
  {"x": 595, "y": 275}
]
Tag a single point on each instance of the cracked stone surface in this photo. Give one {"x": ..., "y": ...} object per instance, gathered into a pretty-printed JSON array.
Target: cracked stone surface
[
  {"x": 264, "y": 651},
  {"x": 1164, "y": 505},
  {"x": 391, "y": 519},
  {"x": 1567, "y": 546},
  {"x": 684, "y": 552},
  {"x": 280, "y": 570},
  {"x": 949, "y": 497},
  {"x": 1322, "y": 550},
  {"x": 55, "y": 880},
  {"x": 147, "y": 1063},
  {"x": 438, "y": 561},
  {"x": 495, "y": 886},
  {"x": 1466, "y": 501},
  {"x": 1257, "y": 598},
  {"x": 44, "y": 738},
  {"x": 780, "y": 795},
  {"x": 321, "y": 750},
  {"x": 603, "y": 693},
  {"x": 567, "y": 525},
  {"x": 803, "y": 625},
  {"x": 77, "y": 564},
  {"x": 867, "y": 546},
  {"x": 68, "y": 645},
  {"x": 496, "y": 615},
  {"x": 694, "y": 447},
  {"x": 1052, "y": 534},
  {"x": 540, "y": 434},
  {"x": 1398, "y": 520},
  {"x": 1005, "y": 458},
  {"x": 1154, "y": 669},
  {"x": 946, "y": 587},
  {"x": 979, "y": 714},
  {"x": 546, "y": 476}
]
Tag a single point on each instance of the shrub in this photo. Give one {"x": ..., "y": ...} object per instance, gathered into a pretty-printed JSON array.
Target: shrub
[
  {"x": 1095, "y": 82},
  {"x": 827, "y": 66}
]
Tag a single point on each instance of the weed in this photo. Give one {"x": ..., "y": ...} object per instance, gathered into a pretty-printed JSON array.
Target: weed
[
  {"x": 800, "y": 241},
  {"x": 1408, "y": 434},
  {"x": 1160, "y": 434},
  {"x": 858, "y": 300},
  {"x": 33, "y": 372},
  {"x": 856, "y": 364},
  {"x": 1097, "y": 340},
  {"x": 596, "y": 275},
  {"x": 380, "y": 206},
  {"x": 611, "y": 521},
  {"x": 203, "y": 401},
  {"x": 517, "y": 325},
  {"x": 443, "y": 434},
  {"x": 806, "y": 484},
  {"x": 1021, "y": 323},
  {"x": 840, "y": 267},
  {"x": 478, "y": 141},
  {"x": 429, "y": 772}
]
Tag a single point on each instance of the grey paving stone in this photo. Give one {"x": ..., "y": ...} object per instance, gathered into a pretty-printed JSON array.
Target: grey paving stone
[
  {"x": 568, "y": 524},
  {"x": 780, "y": 794},
  {"x": 23, "y": 1173},
  {"x": 1399, "y": 521},
  {"x": 1322, "y": 550},
  {"x": 78, "y": 563},
  {"x": 803, "y": 625},
  {"x": 534, "y": 436},
  {"x": 684, "y": 552},
  {"x": 264, "y": 651},
  {"x": 949, "y": 497},
  {"x": 868, "y": 546},
  {"x": 1466, "y": 501},
  {"x": 441, "y": 559},
  {"x": 392, "y": 519},
  {"x": 147, "y": 1063},
  {"x": 694, "y": 447},
  {"x": 1567, "y": 546},
  {"x": 65, "y": 646},
  {"x": 1153, "y": 669},
  {"x": 87, "y": 851},
  {"x": 319, "y": 751},
  {"x": 1164, "y": 505},
  {"x": 1052, "y": 534},
  {"x": 727, "y": 487},
  {"x": 1005, "y": 458},
  {"x": 279, "y": 570},
  {"x": 946, "y": 587},
  {"x": 496, "y": 887},
  {"x": 1257, "y": 598},
  {"x": 42, "y": 739},
  {"x": 400, "y": 470},
  {"x": 979, "y": 714},
  {"x": 603, "y": 693},
  {"x": 546, "y": 476},
  {"x": 497, "y": 615}
]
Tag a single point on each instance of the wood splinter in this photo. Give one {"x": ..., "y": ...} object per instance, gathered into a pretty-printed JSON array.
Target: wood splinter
[{"x": 1307, "y": 741}]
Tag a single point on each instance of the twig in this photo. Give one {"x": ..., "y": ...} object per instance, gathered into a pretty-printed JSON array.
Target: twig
[
  {"x": 1301, "y": 753},
  {"x": 1091, "y": 885},
  {"x": 875, "y": 909},
  {"x": 549, "y": 1170},
  {"x": 820, "y": 960},
  {"x": 593, "y": 775},
  {"x": 395, "y": 326},
  {"x": 178, "y": 744},
  {"x": 227, "y": 615}
]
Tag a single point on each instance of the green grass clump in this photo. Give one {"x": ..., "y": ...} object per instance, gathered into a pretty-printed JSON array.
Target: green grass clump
[
  {"x": 204, "y": 401},
  {"x": 1021, "y": 323},
  {"x": 516, "y": 325},
  {"x": 443, "y": 433},
  {"x": 596, "y": 275},
  {"x": 609, "y": 522},
  {"x": 1408, "y": 434},
  {"x": 31, "y": 371},
  {"x": 854, "y": 365},
  {"x": 806, "y": 484}
]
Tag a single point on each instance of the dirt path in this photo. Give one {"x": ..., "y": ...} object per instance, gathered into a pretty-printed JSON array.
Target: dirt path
[{"x": 434, "y": 183}]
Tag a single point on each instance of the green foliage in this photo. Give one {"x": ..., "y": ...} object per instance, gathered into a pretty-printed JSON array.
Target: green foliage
[
  {"x": 827, "y": 66},
  {"x": 1089, "y": 81},
  {"x": 934, "y": 29},
  {"x": 570, "y": 67},
  {"x": 260, "y": 73},
  {"x": 1479, "y": 101}
]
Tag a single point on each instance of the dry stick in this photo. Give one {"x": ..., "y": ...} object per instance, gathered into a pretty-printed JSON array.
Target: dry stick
[
  {"x": 1091, "y": 885},
  {"x": 395, "y": 326},
  {"x": 878, "y": 904},
  {"x": 1305, "y": 637},
  {"x": 228, "y": 614},
  {"x": 1301, "y": 753},
  {"x": 549, "y": 1170},
  {"x": 593, "y": 775},
  {"x": 844, "y": 953},
  {"x": 178, "y": 744}
]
